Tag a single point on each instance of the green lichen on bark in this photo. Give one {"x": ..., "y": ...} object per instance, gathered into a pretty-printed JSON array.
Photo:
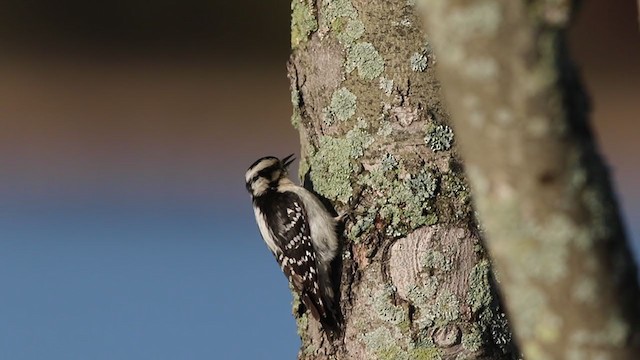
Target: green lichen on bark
[
  {"x": 479, "y": 288},
  {"x": 295, "y": 104},
  {"x": 397, "y": 353},
  {"x": 352, "y": 30},
  {"x": 366, "y": 59},
  {"x": 337, "y": 9},
  {"x": 334, "y": 162},
  {"x": 343, "y": 104},
  {"x": 419, "y": 61},
  {"x": 407, "y": 201},
  {"x": 436, "y": 260},
  {"x": 439, "y": 137},
  {"x": 385, "y": 344},
  {"x": 472, "y": 340},
  {"x": 333, "y": 156},
  {"x": 377, "y": 340},
  {"x": 386, "y": 85},
  {"x": 445, "y": 309},
  {"x": 303, "y": 21},
  {"x": 382, "y": 303}
]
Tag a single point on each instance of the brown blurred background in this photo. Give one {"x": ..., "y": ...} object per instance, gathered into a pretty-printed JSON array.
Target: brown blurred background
[
  {"x": 133, "y": 97},
  {"x": 170, "y": 96},
  {"x": 123, "y": 98}
]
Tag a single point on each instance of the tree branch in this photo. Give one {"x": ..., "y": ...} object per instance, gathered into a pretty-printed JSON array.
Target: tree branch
[
  {"x": 416, "y": 282},
  {"x": 542, "y": 191}
]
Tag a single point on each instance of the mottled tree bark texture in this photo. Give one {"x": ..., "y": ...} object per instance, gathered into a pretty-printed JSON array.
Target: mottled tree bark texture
[
  {"x": 540, "y": 188},
  {"x": 415, "y": 281}
]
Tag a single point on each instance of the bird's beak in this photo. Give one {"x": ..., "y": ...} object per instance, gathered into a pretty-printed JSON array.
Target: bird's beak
[{"x": 286, "y": 161}]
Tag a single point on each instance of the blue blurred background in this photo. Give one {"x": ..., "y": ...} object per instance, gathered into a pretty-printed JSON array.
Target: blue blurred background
[{"x": 125, "y": 130}]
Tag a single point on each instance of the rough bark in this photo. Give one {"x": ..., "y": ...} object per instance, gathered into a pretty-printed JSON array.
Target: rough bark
[
  {"x": 541, "y": 189},
  {"x": 415, "y": 281}
]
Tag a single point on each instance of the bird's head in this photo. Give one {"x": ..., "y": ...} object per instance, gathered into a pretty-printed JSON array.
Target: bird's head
[{"x": 265, "y": 173}]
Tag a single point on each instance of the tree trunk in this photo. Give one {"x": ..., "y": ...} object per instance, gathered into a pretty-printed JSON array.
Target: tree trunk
[
  {"x": 415, "y": 280},
  {"x": 541, "y": 189}
]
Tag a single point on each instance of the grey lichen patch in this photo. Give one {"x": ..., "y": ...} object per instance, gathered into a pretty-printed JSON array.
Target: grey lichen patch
[
  {"x": 436, "y": 260},
  {"x": 418, "y": 297},
  {"x": 337, "y": 9},
  {"x": 366, "y": 59},
  {"x": 296, "y": 118},
  {"x": 430, "y": 286},
  {"x": 454, "y": 184},
  {"x": 378, "y": 339},
  {"x": 343, "y": 104},
  {"x": 363, "y": 224},
  {"x": 332, "y": 168},
  {"x": 360, "y": 139},
  {"x": 385, "y": 129},
  {"x": 303, "y": 166},
  {"x": 382, "y": 303},
  {"x": 419, "y": 61},
  {"x": 333, "y": 162},
  {"x": 386, "y": 85},
  {"x": 445, "y": 309},
  {"x": 303, "y": 21},
  {"x": 350, "y": 33},
  {"x": 302, "y": 323},
  {"x": 310, "y": 349},
  {"x": 439, "y": 137},
  {"x": 479, "y": 294},
  {"x": 406, "y": 202},
  {"x": 421, "y": 298},
  {"x": 472, "y": 340},
  {"x": 397, "y": 353},
  {"x": 426, "y": 353},
  {"x": 423, "y": 185},
  {"x": 394, "y": 352},
  {"x": 454, "y": 187},
  {"x": 389, "y": 162},
  {"x": 498, "y": 328},
  {"x": 295, "y": 97}
]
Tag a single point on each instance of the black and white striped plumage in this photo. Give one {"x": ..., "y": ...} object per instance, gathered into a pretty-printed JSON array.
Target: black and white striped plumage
[{"x": 299, "y": 231}]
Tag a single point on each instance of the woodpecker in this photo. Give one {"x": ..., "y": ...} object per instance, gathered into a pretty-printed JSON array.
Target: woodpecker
[{"x": 300, "y": 233}]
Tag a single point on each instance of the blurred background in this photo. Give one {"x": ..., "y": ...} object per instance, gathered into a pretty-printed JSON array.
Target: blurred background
[{"x": 125, "y": 131}]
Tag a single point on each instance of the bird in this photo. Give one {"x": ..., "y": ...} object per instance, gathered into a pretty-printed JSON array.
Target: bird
[{"x": 300, "y": 233}]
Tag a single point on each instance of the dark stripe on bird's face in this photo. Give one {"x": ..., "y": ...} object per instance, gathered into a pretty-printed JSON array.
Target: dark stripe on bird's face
[{"x": 266, "y": 173}]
